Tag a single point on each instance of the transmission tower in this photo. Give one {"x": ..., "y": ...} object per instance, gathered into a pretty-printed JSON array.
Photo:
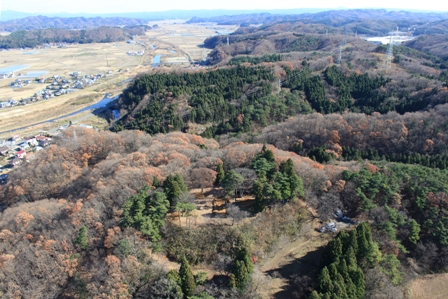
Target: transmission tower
[
  {"x": 340, "y": 54},
  {"x": 228, "y": 43},
  {"x": 389, "y": 53},
  {"x": 279, "y": 85}
]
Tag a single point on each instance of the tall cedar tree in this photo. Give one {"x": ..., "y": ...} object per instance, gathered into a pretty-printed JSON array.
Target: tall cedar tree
[
  {"x": 187, "y": 278},
  {"x": 220, "y": 173},
  {"x": 232, "y": 181},
  {"x": 173, "y": 187}
]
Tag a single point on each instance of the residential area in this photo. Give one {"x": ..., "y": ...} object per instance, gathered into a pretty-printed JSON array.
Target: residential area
[
  {"x": 56, "y": 86},
  {"x": 17, "y": 150}
]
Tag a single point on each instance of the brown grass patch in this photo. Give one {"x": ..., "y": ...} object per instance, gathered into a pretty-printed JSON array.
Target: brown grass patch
[{"x": 433, "y": 286}]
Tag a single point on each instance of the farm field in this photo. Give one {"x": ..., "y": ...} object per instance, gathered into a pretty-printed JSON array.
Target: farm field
[
  {"x": 175, "y": 43},
  {"x": 184, "y": 39},
  {"x": 88, "y": 59}
]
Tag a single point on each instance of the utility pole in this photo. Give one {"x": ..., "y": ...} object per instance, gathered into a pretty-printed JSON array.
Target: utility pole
[
  {"x": 389, "y": 53},
  {"x": 340, "y": 54}
]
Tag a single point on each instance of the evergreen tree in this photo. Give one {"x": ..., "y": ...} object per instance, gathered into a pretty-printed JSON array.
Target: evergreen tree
[
  {"x": 414, "y": 231},
  {"x": 363, "y": 244},
  {"x": 327, "y": 296},
  {"x": 315, "y": 295},
  {"x": 180, "y": 181},
  {"x": 81, "y": 239},
  {"x": 231, "y": 182},
  {"x": 358, "y": 280},
  {"x": 245, "y": 256},
  {"x": 188, "y": 284},
  {"x": 241, "y": 274},
  {"x": 332, "y": 251},
  {"x": 260, "y": 201},
  {"x": 232, "y": 281},
  {"x": 172, "y": 190},
  {"x": 324, "y": 282},
  {"x": 352, "y": 242},
  {"x": 174, "y": 276},
  {"x": 220, "y": 173},
  {"x": 350, "y": 259},
  {"x": 155, "y": 182}
]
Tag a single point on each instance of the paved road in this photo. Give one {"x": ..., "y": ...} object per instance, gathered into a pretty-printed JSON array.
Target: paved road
[{"x": 100, "y": 105}]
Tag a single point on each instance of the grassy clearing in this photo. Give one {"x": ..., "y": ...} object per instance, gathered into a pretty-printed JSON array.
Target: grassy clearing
[
  {"x": 433, "y": 286},
  {"x": 82, "y": 100}
]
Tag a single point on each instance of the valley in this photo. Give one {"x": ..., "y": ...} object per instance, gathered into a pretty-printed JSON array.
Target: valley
[{"x": 248, "y": 156}]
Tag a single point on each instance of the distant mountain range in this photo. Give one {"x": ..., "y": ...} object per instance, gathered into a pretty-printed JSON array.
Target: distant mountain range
[
  {"x": 363, "y": 21},
  {"x": 43, "y": 22},
  {"x": 334, "y": 18},
  {"x": 8, "y": 15}
]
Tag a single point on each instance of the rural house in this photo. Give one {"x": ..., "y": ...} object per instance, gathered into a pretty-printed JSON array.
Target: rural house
[
  {"x": 20, "y": 154},
  {"x": 4, "y": 150},
  {"x": 43, "y": 141}
]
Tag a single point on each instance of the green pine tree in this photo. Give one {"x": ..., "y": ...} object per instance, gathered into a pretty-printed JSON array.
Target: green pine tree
[
  {"x": 245, "y": 256},
  {"x": 220, "y": 173},
  {"x": 357, "y": 277},
  {"x": 350, "y": 259},
  {"x": 188, "y": 284},
  {"x": 180, "y": 181},
  {"x": 241, "y": 274},
  {"x": 231, "y": 182},
  {"x": 315, "y": 295},
  {"x": 260, "y": 200},
  {"x": 155, "y": 182},
  {"x": 324, "y": 282},
  {"x": 174, "y": 276},
  {"x": 232, "y": 281},
  {"x": 172, "y": 190},
  {"x": 81, "y": 239}
]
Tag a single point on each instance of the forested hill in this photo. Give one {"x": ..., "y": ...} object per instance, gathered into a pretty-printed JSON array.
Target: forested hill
[
  {"x": 378, "y": 20},
  {"x": 31, "y": 39},
  {"x": 89, "y": 215},
  {"x": 244, "y": 99},
  {"x": 42, "y": 22},
  {"x": 235, "y": 99}
]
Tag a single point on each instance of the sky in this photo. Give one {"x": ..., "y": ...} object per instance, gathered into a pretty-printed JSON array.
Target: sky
[{"x": 115, "y": 6}]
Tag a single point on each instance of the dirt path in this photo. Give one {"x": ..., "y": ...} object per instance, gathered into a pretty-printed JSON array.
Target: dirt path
[{"x": 297, "y": 258}]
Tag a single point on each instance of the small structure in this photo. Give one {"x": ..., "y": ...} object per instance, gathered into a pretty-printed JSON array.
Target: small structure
[
  {"x": 21, "y": 154},
  {"x": 4, "y": 150},
  {"x": 330, "y": 227},
  {"x": 5, "y": 104},
  {"x": 31, "y": 141},
  {"x": 24, "y": 145},
  {"x": 43, "y": 141},
  {"x": 16, "y": 162}
]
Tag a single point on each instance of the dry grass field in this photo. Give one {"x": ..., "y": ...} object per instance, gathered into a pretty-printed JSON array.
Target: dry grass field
[
  {"x": 433, "y": 286},
  {"x": 184, "y": 39},
  {"x": 177, "y": 44},
  {"x": 88, "y": 59}
]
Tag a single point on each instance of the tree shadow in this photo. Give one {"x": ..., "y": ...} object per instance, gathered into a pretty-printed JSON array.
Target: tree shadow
[{"x": 301, "y": 275}]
